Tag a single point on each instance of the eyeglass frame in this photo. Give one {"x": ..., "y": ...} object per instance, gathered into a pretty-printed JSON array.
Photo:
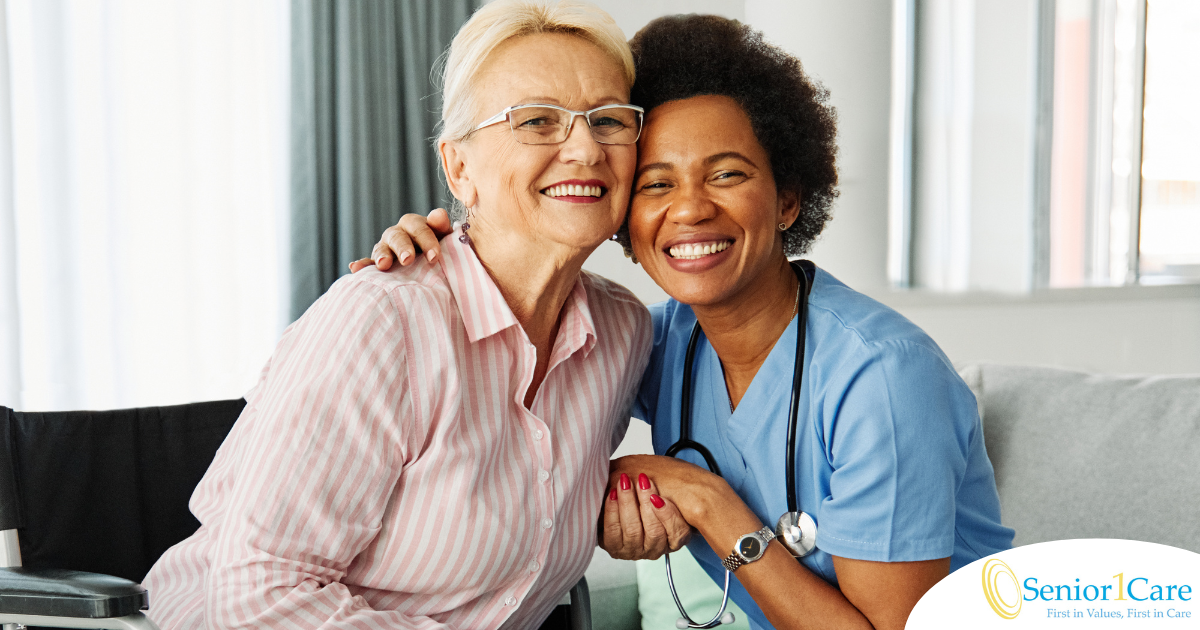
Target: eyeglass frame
[{"x": 503, "y": 117}]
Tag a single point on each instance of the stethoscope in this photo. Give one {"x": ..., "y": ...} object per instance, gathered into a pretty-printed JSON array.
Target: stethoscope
[{"x": 796, "y": 530}]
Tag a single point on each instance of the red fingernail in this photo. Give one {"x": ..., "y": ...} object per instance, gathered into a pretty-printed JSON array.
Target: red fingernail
[
  {"x": 643, "y": 481},
  {"x": 657, "y": 501},
  {"x": 625, "y": 485},
  {"x": 612, "y": 496}
]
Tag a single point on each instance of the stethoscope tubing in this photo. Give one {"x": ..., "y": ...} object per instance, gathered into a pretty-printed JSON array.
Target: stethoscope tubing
[
  {"x": 691, "y": 623},
  {"x": 685, "y": 441},
  {"x": 797, "y": 381}
]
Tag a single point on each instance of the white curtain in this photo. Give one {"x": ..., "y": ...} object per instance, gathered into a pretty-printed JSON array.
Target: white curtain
[
  {"x": 973, "y": 160},
  {"x": 942, "y": 144},
  {"x": 143, "y": 165}
]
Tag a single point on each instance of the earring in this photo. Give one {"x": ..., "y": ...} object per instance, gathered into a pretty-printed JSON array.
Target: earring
[
  {"x": 466, "y": 225},
  {"x": 463, "y": 238},
  {"x": 782, "y": 227},
  {"x": 613, "y": 238}
]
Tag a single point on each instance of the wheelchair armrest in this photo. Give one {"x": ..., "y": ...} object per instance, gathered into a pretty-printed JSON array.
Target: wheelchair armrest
[
  {"x": 62, "y": 593},
  {"x": 581, "y": 606}
]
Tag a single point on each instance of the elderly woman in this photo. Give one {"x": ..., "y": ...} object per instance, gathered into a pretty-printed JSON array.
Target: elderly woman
[
  {"x": 428, "y": 448},
  {"x": 735, "y": 174}
]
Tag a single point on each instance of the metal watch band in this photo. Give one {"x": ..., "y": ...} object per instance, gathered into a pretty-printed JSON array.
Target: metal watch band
[{"x": 735, "y": 560}]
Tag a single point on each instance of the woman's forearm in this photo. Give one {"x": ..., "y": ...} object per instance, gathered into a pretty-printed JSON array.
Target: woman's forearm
[
  {"x": 871, "y": 595},
  {"x": 788, "y": 593}
]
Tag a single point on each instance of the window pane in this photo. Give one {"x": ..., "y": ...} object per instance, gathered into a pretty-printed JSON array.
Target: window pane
[
  {"x": 1096, "y": 137},
  {"x": 1170, "y": 218},
  {"x": 1069, "y": 160}
]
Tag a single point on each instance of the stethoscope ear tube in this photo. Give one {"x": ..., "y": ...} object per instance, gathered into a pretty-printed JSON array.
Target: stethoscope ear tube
[
  {"x": 685, "y": 410},
  {"x": 797, "y": 381}
]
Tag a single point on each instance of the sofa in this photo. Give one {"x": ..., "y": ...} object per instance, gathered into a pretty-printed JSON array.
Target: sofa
[{"x": 1076, "y": 455}]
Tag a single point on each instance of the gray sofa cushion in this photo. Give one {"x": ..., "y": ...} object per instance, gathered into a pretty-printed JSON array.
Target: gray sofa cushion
[{"x": 1081, "y": 455}]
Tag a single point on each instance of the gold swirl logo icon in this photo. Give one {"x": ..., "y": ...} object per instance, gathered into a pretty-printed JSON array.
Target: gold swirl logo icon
[{"x": 996, "y": 574}]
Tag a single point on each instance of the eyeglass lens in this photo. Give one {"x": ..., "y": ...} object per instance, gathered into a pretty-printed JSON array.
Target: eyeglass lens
[{"x": 547, "y": 125}]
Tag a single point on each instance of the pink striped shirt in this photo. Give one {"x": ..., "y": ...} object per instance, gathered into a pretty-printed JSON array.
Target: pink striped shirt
[{"x": 386, "y": 474}]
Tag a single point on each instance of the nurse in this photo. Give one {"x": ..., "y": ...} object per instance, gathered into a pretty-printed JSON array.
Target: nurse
[{"x": 735, "y": 175}]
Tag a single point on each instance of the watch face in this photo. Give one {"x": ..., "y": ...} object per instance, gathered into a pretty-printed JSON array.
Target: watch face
[{"x": 749, "y": 547}]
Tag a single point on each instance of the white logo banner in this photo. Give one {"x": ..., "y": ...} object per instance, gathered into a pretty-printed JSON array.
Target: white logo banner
[{"x": 1093, "y": 583}]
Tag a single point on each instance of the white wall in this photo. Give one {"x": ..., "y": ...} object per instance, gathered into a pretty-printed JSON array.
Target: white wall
[
  {"x": 632, "y": 15},
  {"x": 1135, "y": 330},
  {"x": 847, "y": 46}
]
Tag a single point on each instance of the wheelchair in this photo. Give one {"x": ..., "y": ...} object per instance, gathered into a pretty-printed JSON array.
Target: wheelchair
[{"x": 89, "y": 500}]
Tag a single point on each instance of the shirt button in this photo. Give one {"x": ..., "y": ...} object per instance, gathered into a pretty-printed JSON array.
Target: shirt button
[
  {"x": 510, "y": 601},
  {"x": 534, "y": 566},
  {"x": 537, "y": 434},
  {"x": 543, "y": 476},
  {"x": 547, "y": 523}
]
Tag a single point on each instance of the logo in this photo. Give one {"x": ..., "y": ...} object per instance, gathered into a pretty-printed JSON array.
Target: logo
[
  {"x": 1068, "y": 585},
  {"x": 997, "y": 576}
]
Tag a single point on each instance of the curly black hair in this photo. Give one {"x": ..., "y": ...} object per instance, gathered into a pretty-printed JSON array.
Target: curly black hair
[{"x": 681, "y": 56}]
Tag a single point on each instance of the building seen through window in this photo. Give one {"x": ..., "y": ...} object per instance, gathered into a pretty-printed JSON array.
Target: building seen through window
[{"x": 1125, "y": 158}]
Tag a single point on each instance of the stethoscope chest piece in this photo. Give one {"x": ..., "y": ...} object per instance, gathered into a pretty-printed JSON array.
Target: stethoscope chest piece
[{"x": 797, "y": 531}]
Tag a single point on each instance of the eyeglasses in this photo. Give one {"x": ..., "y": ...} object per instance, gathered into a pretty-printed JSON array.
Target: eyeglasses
[{"x": 551, "y": 124}]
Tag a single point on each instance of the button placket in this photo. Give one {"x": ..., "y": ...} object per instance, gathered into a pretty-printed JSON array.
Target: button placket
[
  {"x": 544, "y": 450},
  {"x": 523, "y": 586},
  {"x": 527, "y": 365},
  {"x": 546, "y": 497}
]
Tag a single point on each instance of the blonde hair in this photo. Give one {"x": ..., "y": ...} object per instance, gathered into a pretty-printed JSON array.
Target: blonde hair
[
  {"x": 502, "y": 20},
  {"x": 498, "y": 22}
]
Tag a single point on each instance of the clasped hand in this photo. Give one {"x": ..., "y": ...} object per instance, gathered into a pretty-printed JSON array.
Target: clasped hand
[{"x": 639, "y": 520}]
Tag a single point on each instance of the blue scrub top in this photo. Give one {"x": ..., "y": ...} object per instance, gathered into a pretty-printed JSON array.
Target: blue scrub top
[{"x": 890, "y": 460}]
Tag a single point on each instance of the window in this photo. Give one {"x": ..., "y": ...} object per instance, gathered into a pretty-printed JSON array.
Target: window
[
  {"x": 1170, "y": 199},
  {"x": 1045, "y": 144},
  {"x": 143, "y": 185}
]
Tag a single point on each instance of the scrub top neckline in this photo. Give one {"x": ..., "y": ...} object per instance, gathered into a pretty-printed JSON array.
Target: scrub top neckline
[
  {"x": 774, "y": 374},
  {"x": 739, "y": 429},
  {"x": 780, "y": 364}
]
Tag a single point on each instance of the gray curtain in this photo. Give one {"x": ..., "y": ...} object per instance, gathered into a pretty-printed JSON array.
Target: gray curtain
[{"x": 363, "y": 114}]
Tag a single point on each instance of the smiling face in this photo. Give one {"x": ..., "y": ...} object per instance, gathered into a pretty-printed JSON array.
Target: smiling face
[
  {"x": 572, "y": 194},
  {"x": 705, "y": 212}
]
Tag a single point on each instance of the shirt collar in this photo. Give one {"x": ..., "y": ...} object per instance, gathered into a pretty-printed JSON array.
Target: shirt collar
[
  {"x": 480, "y": 303},
  {"x": 577, "y": 330},
  {"x": 484, "y": 311}
]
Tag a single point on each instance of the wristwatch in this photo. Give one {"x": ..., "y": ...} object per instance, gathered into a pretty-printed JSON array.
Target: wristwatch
[{"x": 749, "y": 548}]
